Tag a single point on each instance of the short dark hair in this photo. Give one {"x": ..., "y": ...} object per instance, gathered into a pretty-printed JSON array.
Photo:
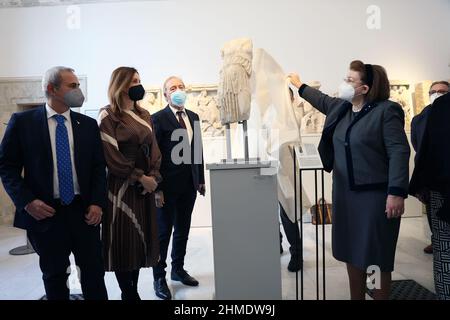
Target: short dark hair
[
  {"x": 440, "y": 82},
  {"x": 380, "y": 89},
  {"x": 53, "y": 76}
]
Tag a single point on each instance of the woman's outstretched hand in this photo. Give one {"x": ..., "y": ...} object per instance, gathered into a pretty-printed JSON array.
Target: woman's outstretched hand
[{"x": 295, "y": 80}]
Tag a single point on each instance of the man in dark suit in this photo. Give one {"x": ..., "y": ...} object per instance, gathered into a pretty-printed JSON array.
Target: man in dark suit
[
  {"x": 179, "y": 138},
  {"x": 418, "y": 126},
  {"x": 60, "y": 196}
]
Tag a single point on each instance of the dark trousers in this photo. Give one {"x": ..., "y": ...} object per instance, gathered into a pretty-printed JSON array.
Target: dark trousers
[
  {"x": 128, "y": 283},
  {"x": 69, "y": 233},
  {"x": 291, "y": 230},
  {"x": 174, "y": 215}
]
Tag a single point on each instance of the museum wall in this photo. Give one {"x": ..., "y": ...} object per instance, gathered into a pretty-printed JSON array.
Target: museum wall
[{"x": 318, "y": 39}]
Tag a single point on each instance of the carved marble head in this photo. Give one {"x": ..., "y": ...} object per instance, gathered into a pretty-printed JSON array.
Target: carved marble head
[{"x": 242, "y": 47}]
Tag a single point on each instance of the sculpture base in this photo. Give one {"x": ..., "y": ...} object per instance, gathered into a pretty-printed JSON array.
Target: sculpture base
[
  {"x": 244, "y": 199},
  {"x": 241, "y": 161}
]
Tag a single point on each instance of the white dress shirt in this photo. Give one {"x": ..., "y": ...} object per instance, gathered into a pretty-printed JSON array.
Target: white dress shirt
[
  {"x": 186, "y": 121},
  {"x": 52, "y": 130}
]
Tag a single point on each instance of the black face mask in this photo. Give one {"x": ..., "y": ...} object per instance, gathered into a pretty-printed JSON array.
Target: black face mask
[{"x": 136, "y": 93}]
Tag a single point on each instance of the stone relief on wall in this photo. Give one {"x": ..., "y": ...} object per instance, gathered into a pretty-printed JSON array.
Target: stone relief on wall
[
  {"x": 202, "y": 99},
  {"x": 152, "y": 101},
  {"x": 421, "y": 97},
  {"x": 310, "y": 119},
  {"x": 401, "y": 93}
]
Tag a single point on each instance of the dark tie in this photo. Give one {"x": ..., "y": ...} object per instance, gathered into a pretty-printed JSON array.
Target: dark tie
[
  {"x": 64, "y": 163},
  {"x": 180, "y": 119}
]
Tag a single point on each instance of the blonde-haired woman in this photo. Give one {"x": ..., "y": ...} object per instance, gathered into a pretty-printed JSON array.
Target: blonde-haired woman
[{"x": 133, "y": 159}]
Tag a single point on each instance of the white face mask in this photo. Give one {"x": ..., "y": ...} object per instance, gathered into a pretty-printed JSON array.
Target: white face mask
[
  {"x": 434, "y": 96},
  {"x": 346, "y": 91}
]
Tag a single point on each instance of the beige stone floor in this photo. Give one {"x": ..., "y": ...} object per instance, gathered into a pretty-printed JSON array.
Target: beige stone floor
[{"x": 20, "y": 277}]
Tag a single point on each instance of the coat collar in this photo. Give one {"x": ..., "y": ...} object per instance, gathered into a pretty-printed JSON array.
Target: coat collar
[
  {"x": 77, "y": 137},
  {"x": 46, "y": 145},
  {"x": 361, "y": 114}
]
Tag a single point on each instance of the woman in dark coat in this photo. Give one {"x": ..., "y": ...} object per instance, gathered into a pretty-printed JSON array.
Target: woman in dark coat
[{"x": 365, "y": 145}]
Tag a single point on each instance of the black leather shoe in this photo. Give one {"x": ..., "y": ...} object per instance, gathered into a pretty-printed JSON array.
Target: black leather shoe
[
  {"x": 161, "y": 289},
  {"x": 294, "y": 264},
  {"x": 185, "y": 278},
  {"x": 131, "y": 296}
]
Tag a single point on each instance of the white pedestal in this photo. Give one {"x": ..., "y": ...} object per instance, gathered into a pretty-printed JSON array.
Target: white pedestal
[{"x": 245, "y": 231}]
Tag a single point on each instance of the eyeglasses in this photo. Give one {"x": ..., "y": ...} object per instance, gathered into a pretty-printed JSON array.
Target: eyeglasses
[
  {"x": 350, "y": 80},
  {"x": 437, "y": 91}
]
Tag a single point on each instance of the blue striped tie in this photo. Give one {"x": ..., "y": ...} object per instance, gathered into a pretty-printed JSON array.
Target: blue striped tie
[{"x": 65, "y": 177}]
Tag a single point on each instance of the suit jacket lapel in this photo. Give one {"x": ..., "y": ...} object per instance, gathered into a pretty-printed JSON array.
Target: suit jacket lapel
[
  {"x": 76, "y": 138},
  {"x": 195, "y": 131},
  {"x": 48, "y": 157},
  {"x": 172, "y": 117},
  {"x": 190, "y": 117}
]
